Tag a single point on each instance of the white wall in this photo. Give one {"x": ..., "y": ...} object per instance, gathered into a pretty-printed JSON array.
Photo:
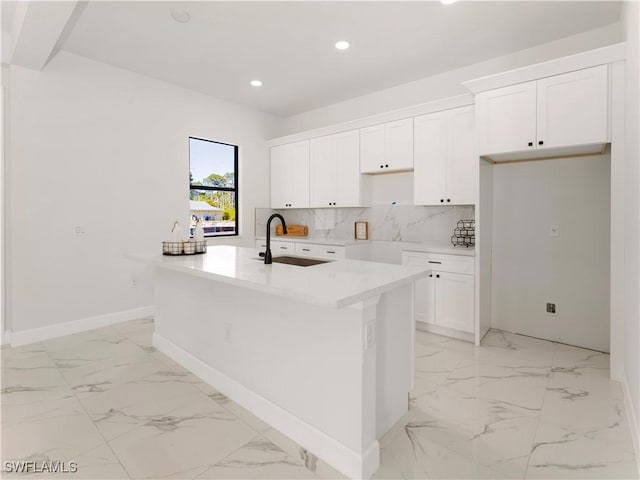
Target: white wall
[
  {"x": 101, "y": 147},
  {"x": 484, "y": 247},
  {"x": 531, "y": 268},
  {"x": 4, "y": 137},
  {"x": 449, "y": 83},
  {"x": 631, "y": 22}
]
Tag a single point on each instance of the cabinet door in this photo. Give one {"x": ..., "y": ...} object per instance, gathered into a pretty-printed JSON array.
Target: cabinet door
[
  {"x": 424, "y": 292},
  {"x": 429, "y": 170},
  {"x": 347, "y": 177},
  {"x": 507, "y": 119},
  {"x": 463, "y": 164},
  {"x": 372, "y": 149},
  {"x": 299, "y": 175},
  {"x": 572, "y": 108},
  {"x": 425, "y": 301},
  {"x": 399, "y": 145},
  {"x": 454, "y": 299},
  {"x": 281, "y": 176},
  {"x": 323, "y": 166}
]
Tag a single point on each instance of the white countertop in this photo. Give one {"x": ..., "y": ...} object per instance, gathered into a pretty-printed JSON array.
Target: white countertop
[
  {"x": 335, "y": 284},
  {"x": 446, "y": 249}
]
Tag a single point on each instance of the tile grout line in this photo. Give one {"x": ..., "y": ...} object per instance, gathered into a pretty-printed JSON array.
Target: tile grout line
[
  {"x": 544, "y": 397},
  {"x": 87, "y": 413}
]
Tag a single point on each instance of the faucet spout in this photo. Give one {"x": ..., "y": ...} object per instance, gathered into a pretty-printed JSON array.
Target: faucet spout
[{"x": 267, "y": 252}]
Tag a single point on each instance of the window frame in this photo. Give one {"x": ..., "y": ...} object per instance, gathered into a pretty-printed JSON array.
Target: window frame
[{"x": 233, "y": 189}]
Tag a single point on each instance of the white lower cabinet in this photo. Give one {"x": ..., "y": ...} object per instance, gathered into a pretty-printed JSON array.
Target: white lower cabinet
[
  {"x": 316, "y": 250},
  {"x": 445, "y": 299},
  {"x": 453, "y": 300}
]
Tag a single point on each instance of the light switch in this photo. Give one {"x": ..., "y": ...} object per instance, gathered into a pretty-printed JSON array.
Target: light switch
[
  {"x": 81, "y": 230},
  {"x": 554, "y": 231}
]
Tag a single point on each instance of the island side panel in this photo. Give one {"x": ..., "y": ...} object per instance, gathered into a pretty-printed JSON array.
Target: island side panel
[
  {"x": 310, "y": 361},
  {"x": 394, "y": 363}
]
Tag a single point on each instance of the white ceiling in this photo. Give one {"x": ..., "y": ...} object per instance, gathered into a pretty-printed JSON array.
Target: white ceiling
[{"x": 290, "y": 45}]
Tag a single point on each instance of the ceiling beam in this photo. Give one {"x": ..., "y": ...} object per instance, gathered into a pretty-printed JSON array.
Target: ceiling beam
[{"x": 37, "y": 29}]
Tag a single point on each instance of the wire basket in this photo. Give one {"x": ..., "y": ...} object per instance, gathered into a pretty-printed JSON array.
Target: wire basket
[
  {"x": 184, "y": 248},
  {"x": 464, "y": 235}
]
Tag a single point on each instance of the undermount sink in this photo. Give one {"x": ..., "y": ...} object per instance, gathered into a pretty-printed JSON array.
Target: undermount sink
[{"x": 299, "y": 261}]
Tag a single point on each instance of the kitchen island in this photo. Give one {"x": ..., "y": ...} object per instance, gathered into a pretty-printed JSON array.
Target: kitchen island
[{"x": 322, "y": 353}]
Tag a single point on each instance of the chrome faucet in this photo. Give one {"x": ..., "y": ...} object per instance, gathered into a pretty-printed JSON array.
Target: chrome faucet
[{"x": 267, "y": 252}]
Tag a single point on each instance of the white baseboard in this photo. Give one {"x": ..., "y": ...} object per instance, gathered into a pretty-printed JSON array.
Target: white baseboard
[
  {"x": 33, "y": 335},
  {"x": 632, "y": 419},
  {"x": 449, "y": 332},
  {"x": 350, "y": 463}
]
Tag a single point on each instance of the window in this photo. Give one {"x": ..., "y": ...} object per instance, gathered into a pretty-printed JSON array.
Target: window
[{"x": 213, "y": 186}]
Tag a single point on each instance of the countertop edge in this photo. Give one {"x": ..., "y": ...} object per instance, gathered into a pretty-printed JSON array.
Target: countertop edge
[{"x": 155, "y": 261}]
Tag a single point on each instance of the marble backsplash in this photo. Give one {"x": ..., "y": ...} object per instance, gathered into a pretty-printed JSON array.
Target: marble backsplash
[{"x": 398, "y": 223}]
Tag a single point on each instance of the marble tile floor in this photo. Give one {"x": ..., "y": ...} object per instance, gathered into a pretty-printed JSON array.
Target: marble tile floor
[{"x": 517, "y": 407}]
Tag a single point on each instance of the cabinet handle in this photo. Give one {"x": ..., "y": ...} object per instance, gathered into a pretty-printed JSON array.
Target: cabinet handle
[
  {"x": 283, "y": 248},
  {"x": 381, "y": 166},
  {"x": 433, "y": 261},
  {"x": 531, "y": 144},
  {"x": 387, "y": 166},
  {"x": 442, "y": 200},
  {"x": 540, "y": 142},
  {"x": 448, "y": 199},
  {"x": 306, "y": 250},
  {"x": 330, "y": 251},
  {"x": 431, "y": 275},
  {"x": 437, "y": 276}
]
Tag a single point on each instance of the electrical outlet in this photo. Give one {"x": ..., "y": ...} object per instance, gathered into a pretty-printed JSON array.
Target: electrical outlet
[
  {"x": 370, "y": 335},
  {"x": 554, "y": 231},
  {"x": 134, "y": 282},
  {"x": 81, "y": 230},
  {"x": 551, "y": 308}
]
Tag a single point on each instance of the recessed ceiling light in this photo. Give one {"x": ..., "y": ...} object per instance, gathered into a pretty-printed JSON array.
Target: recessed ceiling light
[
  {"x": 342, "y": 45},
  {"x": 448, "y": 2},
  {"x": 256, "y": 83},
  {"x": 180, "y": 16}
]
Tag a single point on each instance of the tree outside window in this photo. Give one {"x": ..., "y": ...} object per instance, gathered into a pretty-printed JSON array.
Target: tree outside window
[{"x": 213, "y": 186}]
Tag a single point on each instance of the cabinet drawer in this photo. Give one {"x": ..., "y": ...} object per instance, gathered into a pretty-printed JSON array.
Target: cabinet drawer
[
  {"x": 307, "y": 250},
  {"x": 331, "y": 251},
  {"x": 282, "y": 247},
  {"x": 440, "y": 262},
  {"x": 276, "y": 246}
]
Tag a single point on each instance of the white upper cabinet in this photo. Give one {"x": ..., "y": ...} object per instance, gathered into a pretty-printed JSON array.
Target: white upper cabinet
[
  {"x": 572, "y": 108},
  {"x": 290, "y": 175},
  {"x": 335, "y": 179},
  {"x": 463, "y": 162},
  {"x": 540, "y": 117},
  {"x": 430, "y": 162},
  {"x": 387, "y": 147},
  {"x": 446, "y": 161},
  {"x": 507, "y": 119}
]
